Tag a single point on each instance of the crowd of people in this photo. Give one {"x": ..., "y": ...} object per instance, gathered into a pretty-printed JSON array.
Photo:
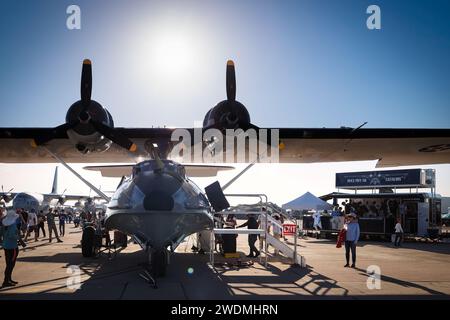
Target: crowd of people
[
  {"x": 350, "y": 227},
  {"x": 370, "y": 209},
  {"x": 19, "y": 227}
]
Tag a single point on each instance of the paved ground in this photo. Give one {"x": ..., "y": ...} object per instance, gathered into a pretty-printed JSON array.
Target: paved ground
[{"x": 419, "y": 270}]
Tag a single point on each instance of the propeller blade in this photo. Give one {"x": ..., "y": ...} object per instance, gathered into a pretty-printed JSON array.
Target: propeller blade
[
  {"x": 86, "y": 82},
  {"x": 231, "y": 81},
  {"x": 114, "y": 136},
  {"x": 57, "y": 131}
]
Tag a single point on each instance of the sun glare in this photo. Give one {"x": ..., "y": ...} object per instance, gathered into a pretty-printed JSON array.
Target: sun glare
[{"x": 173, "y": 53}]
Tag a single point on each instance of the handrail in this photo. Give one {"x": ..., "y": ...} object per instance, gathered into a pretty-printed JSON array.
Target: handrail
[
  {"x": 267, "y": 236},
  {"x": 245, "y": 195}
]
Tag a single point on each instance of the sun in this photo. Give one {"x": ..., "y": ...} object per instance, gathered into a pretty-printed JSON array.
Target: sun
[{"x": 173, "y": 53}]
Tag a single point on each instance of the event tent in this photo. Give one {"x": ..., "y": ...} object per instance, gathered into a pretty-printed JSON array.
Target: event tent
[{"x": 308, "y": 201}]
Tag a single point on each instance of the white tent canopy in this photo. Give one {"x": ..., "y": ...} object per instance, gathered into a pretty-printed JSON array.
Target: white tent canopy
[{"x": 308, "y": 201}]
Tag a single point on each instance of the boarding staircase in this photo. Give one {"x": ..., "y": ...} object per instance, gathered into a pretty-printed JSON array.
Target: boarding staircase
[{"x": 287, "y": 250}]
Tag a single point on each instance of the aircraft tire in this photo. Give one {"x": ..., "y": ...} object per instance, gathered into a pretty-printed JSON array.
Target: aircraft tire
[{"x": 87, "y": 242}]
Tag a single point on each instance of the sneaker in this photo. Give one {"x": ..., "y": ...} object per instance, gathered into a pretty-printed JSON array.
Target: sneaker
[
  {"x": 59, "y": 240},
  {"x": 353, "y": 266},
  {"x": 347, "y": 265},
  {"x": 13, "y": 282}
]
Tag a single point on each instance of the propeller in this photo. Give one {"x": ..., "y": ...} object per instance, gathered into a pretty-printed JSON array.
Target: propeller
[
  {"x": 61, "y": 199},
  {"x": 84, "y": 116},
  {"x": 5, "y": 195},
  {"x": 231, "y": 81},
  {"x": 230, "y": 113}
]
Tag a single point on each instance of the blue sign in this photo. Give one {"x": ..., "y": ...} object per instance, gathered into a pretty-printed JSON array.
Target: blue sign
[{"x": 375, "y": 179}]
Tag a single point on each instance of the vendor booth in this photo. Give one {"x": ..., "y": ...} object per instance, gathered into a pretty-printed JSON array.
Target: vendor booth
[{"x": 381, "y": 197}]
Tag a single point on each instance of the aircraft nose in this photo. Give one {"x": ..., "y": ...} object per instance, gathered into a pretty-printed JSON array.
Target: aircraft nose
[
  {"x": 158, "y": 200},
  {"x": 158, "y": 190}
]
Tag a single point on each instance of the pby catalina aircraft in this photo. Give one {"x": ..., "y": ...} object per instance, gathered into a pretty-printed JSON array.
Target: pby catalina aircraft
[
  {"x": 157, "y": 203},
  {"x": 39, "y": 201}
]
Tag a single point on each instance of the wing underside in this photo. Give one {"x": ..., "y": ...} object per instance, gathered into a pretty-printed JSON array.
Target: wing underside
[
  {"x": 192, "y": 170},
  {"x": 391, "y": 147}
]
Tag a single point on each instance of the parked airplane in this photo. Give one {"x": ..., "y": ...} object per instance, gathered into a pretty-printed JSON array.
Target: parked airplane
[
  {"x": 38, "y": 201},
  {"x": 158, "y": 203}
]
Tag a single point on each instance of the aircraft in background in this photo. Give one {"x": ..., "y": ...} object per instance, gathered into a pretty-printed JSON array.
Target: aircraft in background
[
  {"x": 156, "y": 202},
  {"x": 39, "y": 201}
]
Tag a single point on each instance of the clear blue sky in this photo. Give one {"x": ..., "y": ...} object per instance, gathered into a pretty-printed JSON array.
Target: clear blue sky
[{"x": 299, "y": 63}]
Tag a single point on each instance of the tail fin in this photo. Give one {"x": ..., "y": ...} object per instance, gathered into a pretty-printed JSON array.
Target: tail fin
[{"x": 55, "y": 182}]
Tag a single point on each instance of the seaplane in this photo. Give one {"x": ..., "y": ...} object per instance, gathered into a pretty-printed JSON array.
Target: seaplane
[{"x": 157, "y": 202}]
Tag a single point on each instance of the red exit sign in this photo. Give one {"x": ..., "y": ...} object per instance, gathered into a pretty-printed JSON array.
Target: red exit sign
[{"x": 289, "y": 229}]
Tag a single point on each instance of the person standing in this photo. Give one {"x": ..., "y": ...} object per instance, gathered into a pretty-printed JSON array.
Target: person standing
[
  {"x": 41, "y": 223},
  {"x": 230, "y": 221},
  {"x": 32, "y": 224},
  {"x": 62, "y": 223},
  {"x": 10, "y": 246},
  {"x": 52, "y": 226},
  {"x": 398, "y": 233},
  {"x": 277, "y": 230},
  {"x": 351, "y": 239},
  {"x": 317, "y": 220},
  {"x": 251, "y": 224},
  {"x": 24, "y": 219}
]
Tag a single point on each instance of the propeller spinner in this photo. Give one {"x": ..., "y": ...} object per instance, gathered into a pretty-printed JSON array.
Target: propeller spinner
[{"x": 88, "y": 124}]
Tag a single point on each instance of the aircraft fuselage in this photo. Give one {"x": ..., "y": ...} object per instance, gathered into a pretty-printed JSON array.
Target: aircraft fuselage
[{"x": 159, "y": 205}]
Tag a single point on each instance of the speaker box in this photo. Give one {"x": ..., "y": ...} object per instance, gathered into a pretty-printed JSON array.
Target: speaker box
[{"x": 216, "y": 197}]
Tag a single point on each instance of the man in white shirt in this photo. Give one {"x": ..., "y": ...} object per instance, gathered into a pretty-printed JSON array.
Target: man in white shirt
[
  {"x": 398, "y": 233},
  {"x": 317, "y": 222},
  {"x": 277, "y": 230},
  {"x": 32, "y": 224}
]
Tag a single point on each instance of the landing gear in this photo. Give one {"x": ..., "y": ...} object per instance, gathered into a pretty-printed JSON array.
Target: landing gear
[
  {"x": 156, "y": 267},
  {"x": 158, "y": 262}
]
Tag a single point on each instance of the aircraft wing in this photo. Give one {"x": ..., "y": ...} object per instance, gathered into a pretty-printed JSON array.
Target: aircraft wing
[
  {"x": 192, "y": 170},
  {"x": 391, "y": 147},
  {"x": 52, "y": 196}
]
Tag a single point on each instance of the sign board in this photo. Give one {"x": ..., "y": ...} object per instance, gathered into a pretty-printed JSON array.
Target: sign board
[
  {"x": 289, "y": 229},
  {"x": 389, "y": 178}
]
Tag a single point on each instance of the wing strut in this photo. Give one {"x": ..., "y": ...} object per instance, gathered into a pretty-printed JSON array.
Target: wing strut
[
  {"x": 229, "y": 183},
  {"x": 90, "y": 185}
]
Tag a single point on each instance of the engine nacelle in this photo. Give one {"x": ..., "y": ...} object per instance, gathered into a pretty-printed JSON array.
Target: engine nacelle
[
  {"x": 227, "y": 115},
  {"x": 84, "y": 135}
]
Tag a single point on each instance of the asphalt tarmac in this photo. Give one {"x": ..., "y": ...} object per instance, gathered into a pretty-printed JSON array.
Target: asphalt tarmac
[{"x": 58, "y": 271}]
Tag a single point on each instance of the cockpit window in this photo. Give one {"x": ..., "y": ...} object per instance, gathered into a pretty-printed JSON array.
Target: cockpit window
[{"x": 169, "y": 166}]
